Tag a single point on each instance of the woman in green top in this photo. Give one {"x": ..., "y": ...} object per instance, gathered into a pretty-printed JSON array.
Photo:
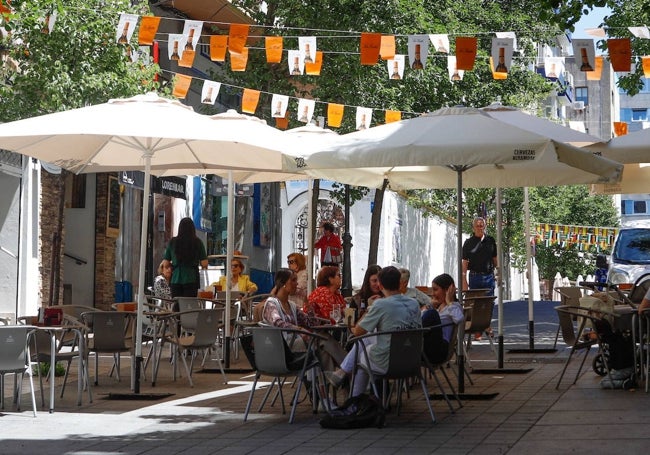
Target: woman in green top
[{"x": 186, "y": 252}]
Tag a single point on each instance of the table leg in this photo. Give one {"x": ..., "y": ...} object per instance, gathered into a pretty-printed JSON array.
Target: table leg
[{"x": 52, "y": 368}]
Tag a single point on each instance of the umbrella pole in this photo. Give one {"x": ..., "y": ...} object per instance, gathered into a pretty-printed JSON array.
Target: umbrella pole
[
  {"x": 229, "y": 254},
  {"x": 310, "y": 236},
  {"x": 460, "y": 352},
  {"x": 500, "y": 277},
  {"x": 143, "y": 253}
]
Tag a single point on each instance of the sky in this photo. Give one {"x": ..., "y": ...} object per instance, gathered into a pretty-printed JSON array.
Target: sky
[{"x": 592, "y": 20}]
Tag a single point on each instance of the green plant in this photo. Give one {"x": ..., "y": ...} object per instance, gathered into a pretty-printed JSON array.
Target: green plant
[
  {"x": 567, "y": 260},
  {"x": 59, "y": 370}
]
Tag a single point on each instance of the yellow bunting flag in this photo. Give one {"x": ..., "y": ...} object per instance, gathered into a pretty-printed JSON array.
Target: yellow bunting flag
[
  {"x": 181, "y": 86},
  {"x": 273, "y": 49},
  {"x": 313, "y": 68},
  {"x": 370, "y": 44},
  {"x": 238, "y": 61},
  {"x": 249, "y": 100},
  {"x": 148, "y": 28},
  {"x": 218, "y": 46},
  {"x": 393, "y": 116},
  {"x": 334, "y": 115},
  {"x": 620, "y": 53},
  {"x": 645, "y": 63},
  {"x": 187, "y": 58},
  {"x": 237, "y": 37},
  {"x": 598, "y": 69},
  {"x": 387, "y": 48},
  {"x": 497, "y": 75},
  {"x": 620, "y": 129}
]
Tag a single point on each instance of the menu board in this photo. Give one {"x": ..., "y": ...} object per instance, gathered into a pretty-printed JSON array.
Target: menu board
[{"x": 113, "y": 215}]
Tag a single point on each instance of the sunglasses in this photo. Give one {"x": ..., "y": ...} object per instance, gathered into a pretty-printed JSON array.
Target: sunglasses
[{"x": 291, "y": 261}]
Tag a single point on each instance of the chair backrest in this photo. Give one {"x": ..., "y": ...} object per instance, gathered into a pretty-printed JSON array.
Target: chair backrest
[
  {"x": 640, "y": 288},
  {"x": 208, "y": 323},
  {"x": 569, "y": 295},
  {"x": 13, "y": 348},
  {"x": 5, "y": 321},
  {"x": 481, "y": 314},
  {"x": 269, "y": 346},
  {"x": 189, "y": 303},
  {"x": 566, "y": 325},
  {"x": 405, "y": 355},
  {"x": 108, "y": 329},
  {"x": 249, "y": 303}
]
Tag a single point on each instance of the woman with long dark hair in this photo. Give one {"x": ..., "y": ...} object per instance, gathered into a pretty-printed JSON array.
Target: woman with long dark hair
[{"x": 185, "y": 252}]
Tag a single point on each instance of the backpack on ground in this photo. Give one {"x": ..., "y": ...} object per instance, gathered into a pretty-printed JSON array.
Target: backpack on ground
[{"x": 362, "y": 411}]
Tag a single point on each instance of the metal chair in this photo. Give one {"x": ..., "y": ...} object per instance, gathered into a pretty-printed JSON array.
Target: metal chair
[
  {"x": 569, "y": 296},
  {"x": 479, "y": 321},
  {"x": 440, "y": 366},
  {"x": 203, "y": 338},
  {"x": 273, "y": 357},
  {"x": 572, "y": 338},
  {"x": 14, "y": 358},
  {"x": 109, "y": 335},
  {"x": 404, "y": 362}
]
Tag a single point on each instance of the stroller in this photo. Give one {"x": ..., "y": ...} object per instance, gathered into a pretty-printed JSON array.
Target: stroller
[{"x": 617, "y": 334}]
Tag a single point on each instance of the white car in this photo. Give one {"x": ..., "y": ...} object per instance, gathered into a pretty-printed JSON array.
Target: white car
[{"x": 630, "y": 258}]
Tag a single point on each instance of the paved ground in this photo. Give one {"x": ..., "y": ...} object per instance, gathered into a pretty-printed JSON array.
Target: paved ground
[{"x": 527, "y": 415}]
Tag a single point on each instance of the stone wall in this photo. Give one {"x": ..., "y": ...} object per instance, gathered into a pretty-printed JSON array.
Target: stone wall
[
  {"x": 52, "y": 237},
  {"x": 105, "y": 248}
]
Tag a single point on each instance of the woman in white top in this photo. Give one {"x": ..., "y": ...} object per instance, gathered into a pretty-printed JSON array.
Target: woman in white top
[{"x": 444, "y": 300}]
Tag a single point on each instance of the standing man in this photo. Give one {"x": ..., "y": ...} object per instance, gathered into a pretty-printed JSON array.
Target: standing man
[{"x": 479, "y": 258}]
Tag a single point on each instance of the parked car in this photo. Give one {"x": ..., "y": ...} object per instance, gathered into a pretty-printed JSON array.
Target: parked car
[{"x": 630, "y": 256}]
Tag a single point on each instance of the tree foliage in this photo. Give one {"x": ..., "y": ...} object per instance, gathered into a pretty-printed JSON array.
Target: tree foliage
[{"x": 77, "y": 64}]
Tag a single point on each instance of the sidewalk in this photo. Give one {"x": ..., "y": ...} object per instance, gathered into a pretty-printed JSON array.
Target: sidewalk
[{"x": 527, "y": 416}]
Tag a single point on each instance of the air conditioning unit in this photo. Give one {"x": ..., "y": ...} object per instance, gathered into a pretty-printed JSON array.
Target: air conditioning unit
[{"x": 578, "y": 105}]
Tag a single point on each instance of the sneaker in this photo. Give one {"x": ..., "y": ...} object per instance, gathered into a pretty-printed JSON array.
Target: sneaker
[
  {"x": 628, "y": 384},
  {"x": 336, "y": 380}
]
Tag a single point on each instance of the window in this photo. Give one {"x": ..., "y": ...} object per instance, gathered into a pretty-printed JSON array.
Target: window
[
  {"x": 582, "y": 94},
  {"x": 639, "y": 206},
  {"x": 639, "y": 115}
]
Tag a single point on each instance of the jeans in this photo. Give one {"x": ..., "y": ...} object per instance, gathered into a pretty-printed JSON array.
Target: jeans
[{"x": 482, "y": 281}]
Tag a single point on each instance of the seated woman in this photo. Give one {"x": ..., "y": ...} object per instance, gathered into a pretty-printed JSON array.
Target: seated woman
[
  {"x": 239, "y": 282},
  {"x": 161, "y": 287},
  {"x": 370, "y": 290},
  {"x": 444, "y": 300},
  {"x": 278, "y": 310},
  {"x": 327, "y": 293}
]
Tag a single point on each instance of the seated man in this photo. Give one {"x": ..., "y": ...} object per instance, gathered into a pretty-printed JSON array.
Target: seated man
[{"x": 392, "y": 312}]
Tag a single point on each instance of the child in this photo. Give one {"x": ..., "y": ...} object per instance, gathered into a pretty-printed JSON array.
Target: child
[{"x": 601, "y": 270}]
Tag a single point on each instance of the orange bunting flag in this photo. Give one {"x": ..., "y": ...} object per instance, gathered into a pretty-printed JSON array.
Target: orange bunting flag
[
  {"x": 465, "y": 52},
  {"x": 313, "y": 68},
  {"x": 334, "y": 115},
  {"x": 370, "y": 44},
  {"x": 237, "y": 37},
  {"x": 249, "y": 100},
  {"x": 181, "y": 86},
  {"x": 148, "y": 28},
  {"x": 273, "y": 49},
  {"x": 282, "y": 122},
  {"x": 393, "y": 116},
  {"x": 238, "y": 61},
  {"x": 218, "y": 46},
  {"x": 187, "y": 58},
  {"x": 495, "y": 74},
  {"x": 387, "y": 48},
  {"x": 620, "y": 128},
  {"x": 5, "y": 11},
  {"x": 620, "y": 53},
  {"x": 598, "y": 69},
  {"x": 645, "y": 63}
]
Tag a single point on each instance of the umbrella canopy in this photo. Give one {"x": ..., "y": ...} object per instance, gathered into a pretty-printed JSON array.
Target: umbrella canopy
[
  {"x": 147, "y": 133},
  {"x": 630, "y": 148},
  {"x": 456, "y": 147},
  {"x": 426, "y": 151},
  {"x": 635, "y": 180},
  {"x": 559, "y": 133}
]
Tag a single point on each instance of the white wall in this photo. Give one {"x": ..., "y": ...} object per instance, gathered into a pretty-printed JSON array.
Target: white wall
[
  {"x": 427, "y": 245},
  {"x": 9, "y": 240}
]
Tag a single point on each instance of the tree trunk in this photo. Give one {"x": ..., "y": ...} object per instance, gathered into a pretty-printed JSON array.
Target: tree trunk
[{"x": 375, "y": 224}]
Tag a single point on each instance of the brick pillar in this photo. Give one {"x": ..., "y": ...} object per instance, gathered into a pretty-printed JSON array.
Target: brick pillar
[
  {"x": 105, "y": 248},
  {"x": 52, "y": 235}
]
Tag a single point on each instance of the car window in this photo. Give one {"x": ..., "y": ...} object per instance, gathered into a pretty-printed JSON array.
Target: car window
[{"x": 632, "y": 247}]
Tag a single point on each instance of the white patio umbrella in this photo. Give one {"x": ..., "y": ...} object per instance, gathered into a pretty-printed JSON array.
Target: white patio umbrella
[
  {"x": 635, "y": 180},
  {"x": 147, "y": 133},
  {"x": 453, "y": 147}
]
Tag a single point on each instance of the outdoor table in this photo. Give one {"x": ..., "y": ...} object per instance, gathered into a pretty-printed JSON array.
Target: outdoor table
[{"x": 338, "y": 331}]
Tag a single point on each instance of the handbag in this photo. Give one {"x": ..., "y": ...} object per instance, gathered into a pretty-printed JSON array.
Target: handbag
[{"x": 333, "y": 255}]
